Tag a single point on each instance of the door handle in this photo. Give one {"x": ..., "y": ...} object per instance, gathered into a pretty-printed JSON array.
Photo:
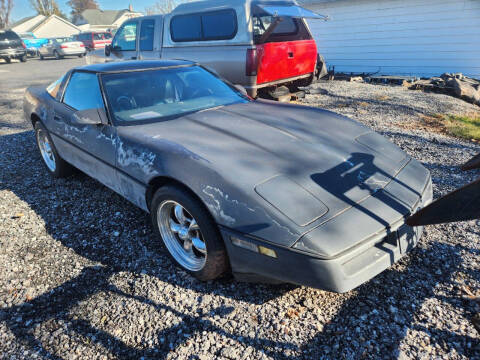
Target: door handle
[{"x": 290, "y": 54}]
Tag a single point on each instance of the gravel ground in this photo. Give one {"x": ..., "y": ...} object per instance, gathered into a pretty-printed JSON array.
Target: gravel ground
[{"x": 81, "y": 278}]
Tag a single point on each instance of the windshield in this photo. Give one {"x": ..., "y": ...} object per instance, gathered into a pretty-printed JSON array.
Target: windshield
[
  {"x": 8, "y": 35},
  {"x": 64, "y": 39},
  {"x": 155, "y": 95},
  {"x": 27, "y": 36}
]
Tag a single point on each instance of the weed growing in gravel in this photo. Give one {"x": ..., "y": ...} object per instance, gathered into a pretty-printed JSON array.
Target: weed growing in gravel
[{"x": 465, "y": 126}]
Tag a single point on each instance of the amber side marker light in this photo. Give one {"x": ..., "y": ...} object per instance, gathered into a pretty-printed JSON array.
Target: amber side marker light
[{"x": 253, "y": 247}]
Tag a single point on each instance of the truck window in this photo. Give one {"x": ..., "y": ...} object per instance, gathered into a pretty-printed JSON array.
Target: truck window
[
  {"x": 289, "y": 29},
  {"x": 219, "y": 25},
  {"x": 126, "y": 38},
  {"x": 147, "y": 31},
  {"x": 186, "y": 28},
  {"x": 214, "y": 25}
]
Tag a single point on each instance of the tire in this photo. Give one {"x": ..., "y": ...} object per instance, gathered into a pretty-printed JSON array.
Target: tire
[
  {"x": 81, "y": 55},
  {"x": 23, "y": 58},
  {"x": 163, "y": 209},
  {"x": 41, "y": 57},
  {"x": 57, "y": 55},
  {"x": 60, "y": 167},
  {"x": 8, "y": 60}
]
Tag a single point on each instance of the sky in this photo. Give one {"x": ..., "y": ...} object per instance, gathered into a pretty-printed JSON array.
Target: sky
[{"x": 22, "y": 8}]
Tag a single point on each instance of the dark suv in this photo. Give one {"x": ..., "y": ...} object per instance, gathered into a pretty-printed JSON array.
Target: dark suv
[{"x": 12, "y": 47}]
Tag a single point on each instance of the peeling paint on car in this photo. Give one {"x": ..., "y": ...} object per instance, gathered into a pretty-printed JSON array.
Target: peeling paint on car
[
  {"x": 215, "y": 206},
  {"x": 136, "y": 157}
]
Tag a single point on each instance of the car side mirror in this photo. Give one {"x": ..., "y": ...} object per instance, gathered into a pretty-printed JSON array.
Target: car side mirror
[
  {"x": 241, "y": 89},
  {"x": 90, "y": 117},
  {"x": 108, "y": 49}
]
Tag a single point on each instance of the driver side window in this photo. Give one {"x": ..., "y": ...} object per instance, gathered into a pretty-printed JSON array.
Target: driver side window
[
  {"x": 83, "y": 92},
  {"x": 126, "y": 38}
]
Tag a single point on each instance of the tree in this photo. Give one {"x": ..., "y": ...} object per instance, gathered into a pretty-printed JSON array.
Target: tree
[
  {"x": 78, "y": 6},
  {"x": 163, "y": 6},
  {"x": 47, "y": 7},
  {"x": 6, "y": 7}
]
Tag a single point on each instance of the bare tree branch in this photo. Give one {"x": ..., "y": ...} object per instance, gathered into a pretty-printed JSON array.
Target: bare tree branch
[
  {"x": 164, "y": 6},
  {"x": 6, "y": 7},
  {"x": 46, "y": 7}
]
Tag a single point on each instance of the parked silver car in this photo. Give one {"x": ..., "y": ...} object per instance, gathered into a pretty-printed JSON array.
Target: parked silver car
[{"x": 60, "y": 47}]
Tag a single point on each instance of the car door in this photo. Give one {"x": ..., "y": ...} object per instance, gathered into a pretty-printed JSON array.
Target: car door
[
  {"x": 48, "y": 48},
  {"x": 124, "y": 44},
  {"x": 90, "y": 148}
]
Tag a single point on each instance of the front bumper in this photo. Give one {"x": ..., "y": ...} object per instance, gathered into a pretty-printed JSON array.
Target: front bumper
[
  {"x": 341, "y": 273},
  {"x": 338, "y": 275}
]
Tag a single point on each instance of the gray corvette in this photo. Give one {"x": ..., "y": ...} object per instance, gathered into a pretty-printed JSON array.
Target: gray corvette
[{"x": 269, "y": 191}]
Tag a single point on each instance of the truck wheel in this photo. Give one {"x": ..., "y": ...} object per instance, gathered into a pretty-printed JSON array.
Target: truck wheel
[{"x": 189, "y": 233}]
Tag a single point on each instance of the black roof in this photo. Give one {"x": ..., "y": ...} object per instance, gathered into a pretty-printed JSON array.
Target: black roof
[{"x": 134, "y": 65}]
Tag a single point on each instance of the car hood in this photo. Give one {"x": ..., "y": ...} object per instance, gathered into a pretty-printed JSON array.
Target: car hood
[{"x": 306, "y": 163}]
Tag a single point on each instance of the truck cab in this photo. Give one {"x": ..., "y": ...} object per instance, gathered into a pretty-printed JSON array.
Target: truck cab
[{"x": 254, "y": 43}]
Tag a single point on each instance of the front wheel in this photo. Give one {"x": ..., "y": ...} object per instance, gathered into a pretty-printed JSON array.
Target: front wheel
[
  {"x": 189, "y": 233},
  {"x": 55, "y": 165}
]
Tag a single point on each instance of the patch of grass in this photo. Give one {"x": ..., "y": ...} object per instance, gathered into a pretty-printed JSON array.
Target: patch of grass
[
  {"x": 383, "y": 97},
  {"x": 466, "y": 127}
]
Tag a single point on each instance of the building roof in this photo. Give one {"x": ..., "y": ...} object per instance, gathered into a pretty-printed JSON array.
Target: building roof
[
  {"x": 32, "y": 20},
  {"x": 103, "y": 17},
  {"x": 37, "y": 22},
  {"x": 135, "y": 65},
  {"x": 22, "y": 20}
]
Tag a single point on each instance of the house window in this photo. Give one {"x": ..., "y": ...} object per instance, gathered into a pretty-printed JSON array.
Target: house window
[{"x": 215, "y": 25}]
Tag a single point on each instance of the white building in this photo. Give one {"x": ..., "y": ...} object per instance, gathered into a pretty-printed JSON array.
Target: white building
[
  {"x": 399, "y": 37},
  {"x": 44, "y": 27}
]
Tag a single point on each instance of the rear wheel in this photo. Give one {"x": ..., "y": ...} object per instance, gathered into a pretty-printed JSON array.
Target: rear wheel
[
  {"x": 188, "y": 233},
  {"x": 53, "y": 162},
  {"x": 57, "y": 55}
]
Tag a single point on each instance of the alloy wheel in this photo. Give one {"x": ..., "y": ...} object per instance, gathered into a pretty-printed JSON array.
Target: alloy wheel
[
  {"x": 182, "y": 235},
  {"x": 46, "y": 150}
]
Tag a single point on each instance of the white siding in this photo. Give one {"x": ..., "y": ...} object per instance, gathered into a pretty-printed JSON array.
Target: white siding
[
  {"x": 399, "y": 37},
  {"x": 55, "y": 27}
]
